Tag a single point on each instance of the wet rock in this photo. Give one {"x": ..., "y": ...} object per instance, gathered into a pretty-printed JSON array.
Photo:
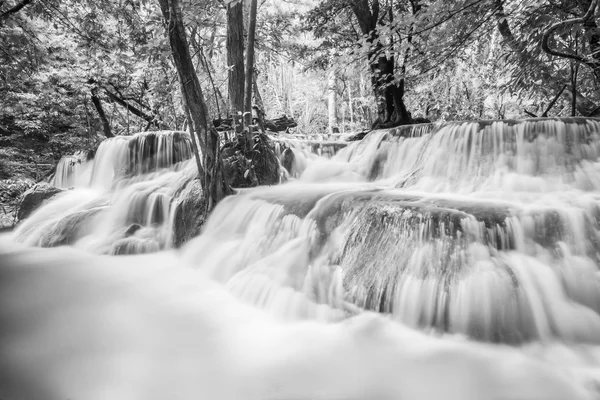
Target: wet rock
[
  {"x": 34, "y": 197},
  {"x": 288, "y": 159},
  {"x": 66, "y": 230},
  {"x": 189, "y": 213},
  {"x": 134, "y": 245},
  {"x": 133, "y": 228}
]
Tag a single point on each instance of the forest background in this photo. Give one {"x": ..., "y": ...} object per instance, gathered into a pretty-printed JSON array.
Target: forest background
[{"x": 74, "y": 72}]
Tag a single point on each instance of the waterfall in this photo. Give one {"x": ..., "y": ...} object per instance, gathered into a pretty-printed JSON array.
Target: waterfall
[
  {"x": 487, "y": 229},
  {"x": 123, "y": 201},
  {"x": 455, "y": 260}
]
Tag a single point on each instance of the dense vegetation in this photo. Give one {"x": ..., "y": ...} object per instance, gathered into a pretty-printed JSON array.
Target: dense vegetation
[{"x": 74, "y": 72}]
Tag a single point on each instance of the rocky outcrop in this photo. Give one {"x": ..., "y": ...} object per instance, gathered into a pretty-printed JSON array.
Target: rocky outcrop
[
  {"x": 34, "y": 197},
  {"x": 189, "y": 213}
]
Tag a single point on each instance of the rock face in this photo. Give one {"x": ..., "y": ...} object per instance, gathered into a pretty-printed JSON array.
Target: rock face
[
  {"x": 189, "y": 213},
  {"x": 34, "y": 197}
]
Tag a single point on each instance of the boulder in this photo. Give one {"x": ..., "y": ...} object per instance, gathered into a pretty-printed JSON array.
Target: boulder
[
  {"x": 189, "y": 213},
  {"x": 34, "y": 197}
]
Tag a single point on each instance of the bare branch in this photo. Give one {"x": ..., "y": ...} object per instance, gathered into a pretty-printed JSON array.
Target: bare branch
[{"x": 532, "y": 115}]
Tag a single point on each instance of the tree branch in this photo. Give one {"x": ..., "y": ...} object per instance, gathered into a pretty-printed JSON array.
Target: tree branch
[
  {"x": 563, "y": 54},
  {"x": 545, "y": 113},
  {"x": 14, "y": 9},
  {"x": 151, "y": 119}
]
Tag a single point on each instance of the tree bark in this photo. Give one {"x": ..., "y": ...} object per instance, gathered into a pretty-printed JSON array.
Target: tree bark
[
  {"x": 98, "y": 105},
  {"x": 213, "y": 183},
  {"x": 235, "y": 60}
]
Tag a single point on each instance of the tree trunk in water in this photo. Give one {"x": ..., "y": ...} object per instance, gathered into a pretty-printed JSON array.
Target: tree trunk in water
[
  {"x": 213, "y": 183},
  {"x": 98, "y": 105},
  {"x": 249, "y": 72},
  {"x": 235, "y": 61}
]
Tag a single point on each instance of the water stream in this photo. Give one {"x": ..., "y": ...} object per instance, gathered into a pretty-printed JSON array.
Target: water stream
[{"x": 455, "y": 261}]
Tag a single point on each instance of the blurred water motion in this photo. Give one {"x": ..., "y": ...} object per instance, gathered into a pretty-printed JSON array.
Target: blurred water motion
[{"x": 476, "y": 244}]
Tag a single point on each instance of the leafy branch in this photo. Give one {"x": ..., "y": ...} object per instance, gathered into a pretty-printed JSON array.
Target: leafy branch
[{"x": 562, "y": 24}]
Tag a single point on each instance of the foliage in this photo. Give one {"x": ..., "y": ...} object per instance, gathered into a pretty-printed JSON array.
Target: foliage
[{"x": 465, "y": 59}]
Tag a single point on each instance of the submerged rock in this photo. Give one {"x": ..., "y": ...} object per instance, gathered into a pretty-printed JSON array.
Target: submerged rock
[{"x": 34, "y": 197}]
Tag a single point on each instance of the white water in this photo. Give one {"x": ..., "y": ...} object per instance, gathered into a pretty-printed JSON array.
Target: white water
[
  {"x": 471, "y": 234},
  {"x": 121, "y": 202},
  {"x": 72, "y": 171}
]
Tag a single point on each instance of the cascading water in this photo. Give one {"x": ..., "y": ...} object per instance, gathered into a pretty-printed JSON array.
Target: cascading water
[
  {"x": 72, "y": 171},
  {"x": 295, "y": 154},
  {"x": 123, "y": 201},
  {"x": 485, "y": 236}
]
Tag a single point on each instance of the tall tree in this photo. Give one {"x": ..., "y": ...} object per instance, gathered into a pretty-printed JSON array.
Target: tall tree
[
  {"x": 373, "y": 37},
  {"x": 250, "y": 68},
  {"x": 235, "y": 58},
  {"x": 389, "y": 91},
  {"x": 213, "y": 183}
]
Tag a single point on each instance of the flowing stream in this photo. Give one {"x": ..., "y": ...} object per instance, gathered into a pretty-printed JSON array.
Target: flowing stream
[{"x": 454, "y": 261}]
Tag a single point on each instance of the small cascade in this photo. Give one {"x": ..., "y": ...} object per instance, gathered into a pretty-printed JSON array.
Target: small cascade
[
  {"x": 127, "y": 203},
  {"x": 295, "y": 154},
  {"x": 509, "y": 156},
  {"x": 126, "y": 156},
  {"x": 72, "y": 170}
]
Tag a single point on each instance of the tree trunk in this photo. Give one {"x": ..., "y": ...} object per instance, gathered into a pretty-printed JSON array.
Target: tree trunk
[
  {"x": 98, "y": 105},
  {"x": 250, "y": 71},
  {"x": 213, "y": 184},
  {"x": 235, "y": 61},
  {"x": 194, "y": 143},
  {"x": 332, "y": 97},
  {"x": 388, "y": 93}
]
